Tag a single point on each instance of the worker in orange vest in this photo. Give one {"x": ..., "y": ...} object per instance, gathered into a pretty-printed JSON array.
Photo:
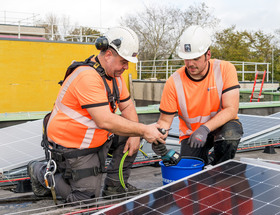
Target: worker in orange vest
[
  {"x": 83, "y": 126},
  {"x": 205, "y": 92}
]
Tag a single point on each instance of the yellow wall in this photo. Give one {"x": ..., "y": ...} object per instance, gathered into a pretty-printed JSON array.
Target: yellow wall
[{"x": 30, "y": 71}]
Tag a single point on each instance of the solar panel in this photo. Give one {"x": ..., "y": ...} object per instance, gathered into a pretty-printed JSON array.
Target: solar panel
[
  {"x": 19, "y": 144},
  {"x": 233, "y": 187},
  {"x": 268, "y": 163},
  {"x": 275, "y": 115},
  {"x": 253, "y": 126},
  {"x": 257, "y": 125}
]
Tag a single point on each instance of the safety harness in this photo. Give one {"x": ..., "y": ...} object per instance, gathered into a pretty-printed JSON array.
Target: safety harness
[
  {"x": 55, "y": 152},
  {"x": 112, "y": 98}
]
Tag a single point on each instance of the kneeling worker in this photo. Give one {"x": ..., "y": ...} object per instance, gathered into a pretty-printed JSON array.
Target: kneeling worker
[
  {"x": 205, "y": 92},
  {"x": 82, "y": 123}
]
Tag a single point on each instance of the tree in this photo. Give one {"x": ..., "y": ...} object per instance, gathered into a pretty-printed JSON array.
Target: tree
[
  {"x": 276, "y": 55},
  {"x": 262, "y": 46},
  {"x": 83, "y": 34},
  {"x": 233, "y": 45},
  {"x": 65, "y": 26},
  {"x": 61, "y": 29},
  {"x": 159, "y": 28},
  {"x": 51, "y": 27}
]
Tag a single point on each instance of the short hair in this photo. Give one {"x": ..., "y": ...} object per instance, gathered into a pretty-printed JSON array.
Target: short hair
[
  {"x": 206, "y": 52},
  {"x": 115, "y": 53}
]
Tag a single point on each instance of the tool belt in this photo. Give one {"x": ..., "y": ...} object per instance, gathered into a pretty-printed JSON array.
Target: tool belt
[{"x": 59, "y": 155}]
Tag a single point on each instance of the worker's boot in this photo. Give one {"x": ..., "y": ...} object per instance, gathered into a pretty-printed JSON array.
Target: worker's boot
[
  {"x": 37, "y": 188},
  {"x": 119, "y": 191}
]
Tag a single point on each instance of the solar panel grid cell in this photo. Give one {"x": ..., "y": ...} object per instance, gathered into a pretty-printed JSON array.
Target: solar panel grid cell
[
  {"x": 20, "y": 144},
  {"x": 231, "y": 188},
  {"x": 263, "y": 186}
]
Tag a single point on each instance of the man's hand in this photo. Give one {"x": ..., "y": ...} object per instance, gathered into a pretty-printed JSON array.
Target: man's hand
[
  {"x": 153, "y": 135},
  {"x": 199, "y": 137},
  {"x": 133, "y": 145}
]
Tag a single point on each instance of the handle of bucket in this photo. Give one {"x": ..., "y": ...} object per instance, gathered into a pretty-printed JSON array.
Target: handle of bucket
[
  {"x": 194, "y": 158},
  {"x": 198, "y": 164}
]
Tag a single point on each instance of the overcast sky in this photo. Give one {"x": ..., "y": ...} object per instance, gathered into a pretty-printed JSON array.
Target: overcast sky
[{"x": 245, "y": 14}]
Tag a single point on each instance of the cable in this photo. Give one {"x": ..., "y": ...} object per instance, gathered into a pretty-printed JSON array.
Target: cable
[
  {"x": 121, "y": 171},
  {"x": 121, "y": 167},
  {"x": 145, "y": 155},
  {"x": 140, "y": 149}
]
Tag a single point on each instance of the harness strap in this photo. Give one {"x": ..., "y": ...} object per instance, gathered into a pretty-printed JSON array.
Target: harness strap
[
  {"x": 83, "y": 173},
  {"x": 81, "y": 152},
  {"x": 102, "y": 160},
  {"x": 67, "y": 172},
  {"x": 116, "y": 91},
  {"x": 59, "y": 156},
  {"x": 76, "y": 64},
  {"x": 112, "y": 98}
]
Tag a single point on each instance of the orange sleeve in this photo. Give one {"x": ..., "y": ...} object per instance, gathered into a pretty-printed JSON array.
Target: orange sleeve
[
  {"x": 89, "y": 89},
  {"x": 229, "y": 74},
  {"x": 168, "y": 104}
]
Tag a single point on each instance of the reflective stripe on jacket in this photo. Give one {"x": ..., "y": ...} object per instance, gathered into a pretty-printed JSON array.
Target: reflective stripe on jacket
[
  {"x": 87, "y": 141},
  {"x": 183, "y": 112}
]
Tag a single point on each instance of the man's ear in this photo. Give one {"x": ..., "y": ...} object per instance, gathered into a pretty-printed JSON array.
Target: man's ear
[
  {"x": 208, "y": 55},
  {"x": 108, "y": 54}
]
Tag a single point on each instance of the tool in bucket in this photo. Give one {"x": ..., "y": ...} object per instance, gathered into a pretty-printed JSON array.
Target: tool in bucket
[{"x": 169, "y": 157}]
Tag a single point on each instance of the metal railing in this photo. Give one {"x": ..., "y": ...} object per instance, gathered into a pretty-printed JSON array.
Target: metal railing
[
  {"x": 162, "y": 69},
  {"x": 19, "y": 31},
  {"x": 27, "y": 25}
]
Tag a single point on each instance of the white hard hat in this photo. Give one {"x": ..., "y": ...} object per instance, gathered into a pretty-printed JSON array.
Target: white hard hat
[
  {"x": 194, "y": 42},
  {"x": 124, "y": 41}
]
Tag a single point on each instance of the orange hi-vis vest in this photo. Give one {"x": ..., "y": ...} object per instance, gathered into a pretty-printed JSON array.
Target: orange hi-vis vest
[
  {"x": 70, "y": 124},
  {"x": 197, "y": 101}
]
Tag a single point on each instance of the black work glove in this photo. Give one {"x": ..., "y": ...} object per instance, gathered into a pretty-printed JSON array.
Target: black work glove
[
  {"x": 199, "y": 137},
  {"x": 159, "y": 149}
]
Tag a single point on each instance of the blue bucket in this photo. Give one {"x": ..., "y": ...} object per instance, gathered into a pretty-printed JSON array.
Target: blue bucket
[{"x": 186, "y": 166}]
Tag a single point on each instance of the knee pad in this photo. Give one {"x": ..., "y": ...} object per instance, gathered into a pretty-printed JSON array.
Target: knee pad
[
  {"x": 232, "y": 130},
  {"x": 226, "y": 148}
]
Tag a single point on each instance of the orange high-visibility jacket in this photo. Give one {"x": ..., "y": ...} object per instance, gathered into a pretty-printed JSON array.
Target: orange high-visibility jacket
[
  {"x": 70, "y": 124},
  {"x": 197, "y": 101}
]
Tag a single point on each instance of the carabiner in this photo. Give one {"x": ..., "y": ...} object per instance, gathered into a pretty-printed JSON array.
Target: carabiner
[
  {"x": 49, "y": 165},
  {"x": 52, "y": 178}
]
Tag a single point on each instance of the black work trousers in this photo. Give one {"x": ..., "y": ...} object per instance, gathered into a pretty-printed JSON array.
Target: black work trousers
[
  {"x": 224, "y": 139},
  {"x": 89, "y": 187}
]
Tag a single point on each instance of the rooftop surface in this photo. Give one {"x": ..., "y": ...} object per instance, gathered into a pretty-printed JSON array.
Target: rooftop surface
[{"x": 144, "y": 177}]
